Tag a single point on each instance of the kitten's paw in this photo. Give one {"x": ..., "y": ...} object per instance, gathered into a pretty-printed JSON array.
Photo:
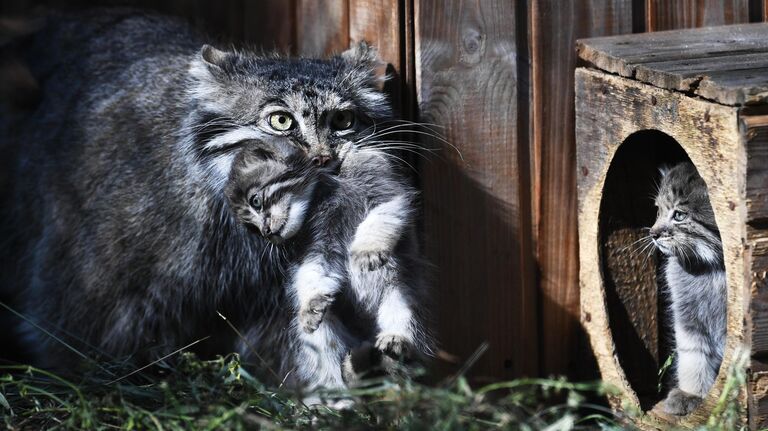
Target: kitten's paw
[
  {"x": 312, "y": 313},
  {"x": 680, "y": 403},
  {"x": 367, "y": 259},
  {"x": 395, "y": 346}
]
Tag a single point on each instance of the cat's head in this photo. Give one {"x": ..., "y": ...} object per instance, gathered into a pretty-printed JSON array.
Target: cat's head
[
  {"x": 322, "y": 106},
  {"x": 271, "y": 187},
  {"x": 685, "y": 226}
]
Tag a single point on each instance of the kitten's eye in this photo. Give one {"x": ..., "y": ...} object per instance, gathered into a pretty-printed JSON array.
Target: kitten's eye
[
  {"x": 342, "y": 120},
  {"x": 255, "y": 202},
  {"x": 281, "y": 121},
  {"x": 679, "y": 216}
]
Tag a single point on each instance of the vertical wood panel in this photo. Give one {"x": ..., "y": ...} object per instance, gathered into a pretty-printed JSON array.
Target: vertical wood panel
[
  {"x": 674, "y": 14},
  {"x": 322, "y": 27},
  {"x": 379, "y": 22},
  {"x": 477, "y": 228},
  {"x": 555, "y": 26},
  {"x": 269, "y": 24}
]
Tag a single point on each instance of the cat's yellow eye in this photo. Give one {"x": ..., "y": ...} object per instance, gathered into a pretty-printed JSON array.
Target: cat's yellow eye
[
  {"x": 281, "y": 121},
  {"x": 342, "y": 120}
]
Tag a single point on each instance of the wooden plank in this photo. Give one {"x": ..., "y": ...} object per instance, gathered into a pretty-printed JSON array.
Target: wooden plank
[
  {"x": 554, "y": 27},
  {"x": 757, "y": 168},
  {"x": 660, "y": 58},
  {"x": 322, "y": 27},
  {"x": 269, "y": 24},
  {"x": 677, "y": 14},
  {"x": 475, "y": 208},
  {"x": 378, "y": 22},
  {"x": 683, "y": 74}
]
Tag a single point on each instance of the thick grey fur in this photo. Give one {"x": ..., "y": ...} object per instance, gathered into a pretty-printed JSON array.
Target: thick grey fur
[
  {"x": 117, "y": 237},
  {"x": 343, "y": 281},
  {"x": 695, "y": 277}
]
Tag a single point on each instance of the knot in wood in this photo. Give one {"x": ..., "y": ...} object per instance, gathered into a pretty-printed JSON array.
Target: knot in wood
[{"x": 473, "y": 45}]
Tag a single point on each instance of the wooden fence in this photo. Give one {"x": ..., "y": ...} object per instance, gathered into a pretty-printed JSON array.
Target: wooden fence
[{"x": 497, "y": 77}]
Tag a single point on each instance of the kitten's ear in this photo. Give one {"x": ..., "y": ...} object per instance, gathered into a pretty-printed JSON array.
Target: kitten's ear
[
  {"x": 664, "y": 170},
  {"x": 259, "y": 150}
]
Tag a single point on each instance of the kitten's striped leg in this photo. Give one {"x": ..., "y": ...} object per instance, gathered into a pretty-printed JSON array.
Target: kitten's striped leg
[
  {"x": 315, "y": 286},
  {"x": 694, "y": 374},
  {"x": 377, "y": 235},
  {"x": 395, "y": 320}
]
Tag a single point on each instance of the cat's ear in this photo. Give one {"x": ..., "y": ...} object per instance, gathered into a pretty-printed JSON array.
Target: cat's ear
[
  {"x": 362, "y": 54},
  {"x": 365, "y": 58},
  {"x": 210, "y": 69},
  {"x": 664, "y": 170},
  {"x": 212, "y": 64},
  {"x": 215, "y": 58}
]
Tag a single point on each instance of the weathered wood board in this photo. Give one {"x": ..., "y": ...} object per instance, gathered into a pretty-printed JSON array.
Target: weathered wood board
[{"x": 726, "y": 64}]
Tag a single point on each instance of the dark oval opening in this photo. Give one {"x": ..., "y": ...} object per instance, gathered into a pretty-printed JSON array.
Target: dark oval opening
[{"x": 636, "y": 296}]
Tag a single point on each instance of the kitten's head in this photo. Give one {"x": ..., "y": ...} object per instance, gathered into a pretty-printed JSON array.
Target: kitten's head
[
  {"x": 270, "y": 188},
  {"x": 685, "y": 226},
  {"x": 320, "y": 106}
]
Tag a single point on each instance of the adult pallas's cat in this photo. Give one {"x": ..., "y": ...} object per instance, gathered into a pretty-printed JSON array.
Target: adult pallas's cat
[{"x": 116, "y": 234}]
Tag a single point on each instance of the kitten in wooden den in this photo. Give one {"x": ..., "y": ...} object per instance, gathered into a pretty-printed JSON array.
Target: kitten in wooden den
[{"x": 686, "y": 233}]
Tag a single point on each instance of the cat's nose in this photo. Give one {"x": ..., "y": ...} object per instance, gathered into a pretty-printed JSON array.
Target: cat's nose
[{"x": 321, "y": 161}]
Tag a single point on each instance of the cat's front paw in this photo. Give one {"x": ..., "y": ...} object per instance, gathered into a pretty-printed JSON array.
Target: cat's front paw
[
  {"x": 312, "y": 313},
  {"x": 369, "y": 259},
  {"x": 681, "y": 403},
  {"x": 395, "y": 346}
]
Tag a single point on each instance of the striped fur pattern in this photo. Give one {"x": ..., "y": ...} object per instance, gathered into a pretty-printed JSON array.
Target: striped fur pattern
[
  {"x": 118, "y": 238},
  {"x": 686, "y": 233},
  {"x": 358, "y": 277}
]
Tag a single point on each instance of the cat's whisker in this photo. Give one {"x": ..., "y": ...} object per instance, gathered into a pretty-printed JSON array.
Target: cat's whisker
[{"x": 397, "y": 158}]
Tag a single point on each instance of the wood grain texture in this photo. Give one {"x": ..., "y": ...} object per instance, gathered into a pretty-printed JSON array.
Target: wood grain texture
[
  {"x": 609, "y": 109},
  {"x": 726, "y": 64},
  {"x": 322, "y": 27},
  {"x": 379, "y": 22},
  {"x": 757, "y": 168},
  {"x": 476, "y": 217},
  {"x": 269, "y": 24},
  {"x": 676, "y": 14},
  {"x": 554, "y": 27}
]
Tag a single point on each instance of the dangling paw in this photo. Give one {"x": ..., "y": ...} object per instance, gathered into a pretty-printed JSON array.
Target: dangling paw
[
  {"x": 681, "y": 403},
  {"x": 312, "y": 313},
  {"x": 394, "y": 346}
]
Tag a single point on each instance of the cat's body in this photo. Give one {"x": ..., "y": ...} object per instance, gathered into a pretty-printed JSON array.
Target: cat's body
[
  {"x": 357, "y": 277},
  {"x": 686, "y": 233},
  {"x": 117, "y": 235}
]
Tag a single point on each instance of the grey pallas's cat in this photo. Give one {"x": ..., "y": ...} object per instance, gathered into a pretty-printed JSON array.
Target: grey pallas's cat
[
  {"x": 117, "y": 238},
  {"x": 357, "y": 276},
  {"x": 686, "y": 233}
]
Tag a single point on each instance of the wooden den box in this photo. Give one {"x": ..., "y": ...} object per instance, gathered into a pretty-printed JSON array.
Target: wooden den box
[{"x": 642, "y": 101}]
